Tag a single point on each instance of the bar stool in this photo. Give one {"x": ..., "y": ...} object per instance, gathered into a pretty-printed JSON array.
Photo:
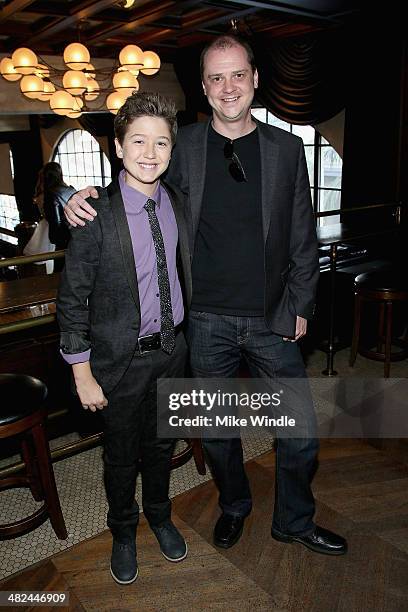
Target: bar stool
[
  {"x": 193, "y": 449},
  {"x": 385, "y": 289},
  {"x": 22, "y": 413}
]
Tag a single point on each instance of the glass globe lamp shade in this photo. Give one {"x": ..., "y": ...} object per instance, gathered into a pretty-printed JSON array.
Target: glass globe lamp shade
[
  {"x": 124, "y": 80},
  {"x": 74, "y": 81},
  {"x": 24, "y": 61},
  {"x": 42, "y": 71},
  {"x": 8, "y": 71},
  {"x": 92, "y": 90},
  {"x": 89, "y": 72},
  {"x": 151, "y": 63},
  {"x": 62, "y": 103},
  {"x": 74, "y": 114},
  {"x": 76, "y": 56},
  {"x": 131, "y": 57},
  {"x": 134, "y": 71},
  {"x": 76, "y": 110},
  {"x": 32, "y": 86},
  {"x": 48, "y": 91},
  {"x": 115, "y": 100}
]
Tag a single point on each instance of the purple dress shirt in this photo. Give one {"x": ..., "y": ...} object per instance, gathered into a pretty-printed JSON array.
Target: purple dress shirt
[{"x": 145, "y": 259}]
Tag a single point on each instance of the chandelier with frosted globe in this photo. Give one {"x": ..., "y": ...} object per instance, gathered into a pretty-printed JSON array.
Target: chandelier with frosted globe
[{"x": 67, "y": 91}]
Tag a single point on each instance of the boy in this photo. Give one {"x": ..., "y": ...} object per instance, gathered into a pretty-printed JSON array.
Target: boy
[{"x": 120, "y": 309}]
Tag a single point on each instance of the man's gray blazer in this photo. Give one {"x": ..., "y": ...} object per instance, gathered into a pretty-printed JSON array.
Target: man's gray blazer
[
  {"x": 98, "y": 305},
  {"x": 289, "y": 232}
]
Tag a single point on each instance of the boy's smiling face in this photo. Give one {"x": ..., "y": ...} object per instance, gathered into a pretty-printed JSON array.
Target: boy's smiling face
[{"x": 145, "y": 151}]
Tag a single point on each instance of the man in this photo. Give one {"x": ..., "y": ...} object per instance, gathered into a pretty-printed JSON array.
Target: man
[
  {"x": 255, "y": 271},
  {"x": 119, "y": 309}
]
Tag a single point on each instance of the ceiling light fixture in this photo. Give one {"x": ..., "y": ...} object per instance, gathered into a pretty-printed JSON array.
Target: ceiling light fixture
[{"x": 68, "y": 91}]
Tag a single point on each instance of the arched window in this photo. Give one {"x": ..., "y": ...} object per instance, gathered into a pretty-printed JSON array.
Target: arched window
[
  {"x": 323, "y": 163},
  {"x": 82, "y": 160},
  {"x": 9, "y": 215}
]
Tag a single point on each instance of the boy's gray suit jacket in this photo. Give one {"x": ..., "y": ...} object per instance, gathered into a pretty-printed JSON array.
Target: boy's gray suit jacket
[{"x": 98, "y": 304}]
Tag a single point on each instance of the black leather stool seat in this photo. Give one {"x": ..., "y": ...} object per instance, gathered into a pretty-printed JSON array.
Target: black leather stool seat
[
  {"x": 20, "y": 396},
  {"x": 383, "y": 281}
]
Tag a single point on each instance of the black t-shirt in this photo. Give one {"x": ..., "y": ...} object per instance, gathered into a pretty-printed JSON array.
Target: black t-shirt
[{"x": 228, "y": 262}]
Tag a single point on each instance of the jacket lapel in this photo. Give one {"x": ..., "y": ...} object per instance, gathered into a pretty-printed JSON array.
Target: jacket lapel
[
  {"x": 183, "y": 241},
  {"x": 269, "y": 172},
  {"x": 125, "y": 241},
  {"x": 197, "y": 168}
]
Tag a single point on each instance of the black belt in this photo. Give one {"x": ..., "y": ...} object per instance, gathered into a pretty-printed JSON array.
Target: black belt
[{"x": 152, "y": 342}]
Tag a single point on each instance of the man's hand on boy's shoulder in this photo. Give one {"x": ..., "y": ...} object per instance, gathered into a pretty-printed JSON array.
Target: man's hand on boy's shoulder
[{"x": 77, "y": 208}]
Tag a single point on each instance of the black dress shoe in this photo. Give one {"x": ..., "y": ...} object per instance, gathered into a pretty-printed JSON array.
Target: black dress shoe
[
  {"x": 321, "y": 541},
  {"x": 172, "y": 544},
  {"x": 123, "y": 567},
  {"x": 228, "y": 530}
]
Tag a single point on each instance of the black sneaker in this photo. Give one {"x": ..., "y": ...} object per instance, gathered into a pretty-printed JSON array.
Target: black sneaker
[
  {"x": 123, "y": 566},
  {"x": 172, "y": 544}
]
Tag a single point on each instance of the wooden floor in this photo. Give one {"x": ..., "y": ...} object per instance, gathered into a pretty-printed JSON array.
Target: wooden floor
[{"x": 361, "y": 493}]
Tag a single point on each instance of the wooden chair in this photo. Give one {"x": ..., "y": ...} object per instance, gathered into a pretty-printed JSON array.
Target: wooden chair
[
  {"x": 22, "y": 413},
  {"x": 385, "y": 289}
]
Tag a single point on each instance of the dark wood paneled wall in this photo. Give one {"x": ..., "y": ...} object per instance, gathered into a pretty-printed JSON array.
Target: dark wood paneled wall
[{"x": 375, "y": 141}]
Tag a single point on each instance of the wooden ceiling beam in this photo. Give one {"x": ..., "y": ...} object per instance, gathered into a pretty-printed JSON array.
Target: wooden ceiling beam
[
  {"x": 15, "y": 30},
  {"x": 82, "y": 12},
  {"x": 194, "y": 23},
  {"x": 195, "y": 18},
  {"x": 219, "y": 20},
  {"x": 275, "y": 7},
  {"x": 16, "y": 6},
  {"x": 148, "y": 14}
]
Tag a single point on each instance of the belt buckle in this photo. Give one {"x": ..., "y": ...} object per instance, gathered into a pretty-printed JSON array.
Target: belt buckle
[{"x": 144, "y": 351}]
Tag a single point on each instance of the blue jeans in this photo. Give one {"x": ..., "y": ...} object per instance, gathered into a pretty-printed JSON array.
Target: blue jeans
[{"x": 217, "y": 344}]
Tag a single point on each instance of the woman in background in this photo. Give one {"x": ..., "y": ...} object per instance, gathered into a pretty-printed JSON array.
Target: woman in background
[{"x": 55, "y": 195}]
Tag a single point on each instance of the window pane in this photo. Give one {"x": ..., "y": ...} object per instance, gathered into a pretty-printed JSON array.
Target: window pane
[
  {"x": 80, "y": 164},
  {"x": 259, "y": 113},
  {"x": 11, "y": 164},
  {"x": 72, "y": 165},
  {"x": 306, "y": 132},
  {"x": 71, "y": 141},
  {"x": 63, "y": 161},
  {"x": 78, "y": 153},
  {"x": 97, "y": 163},
  {"x": 330, "y": 163},
  {"x": 62, "y": 146},
  {"x": 309, "y": 153},
  {"x": 87, "y": 142},
  {"x": 88, "y": 164},
  {"x": 329, "y": 200},
  {"x": 9, "y": 216},
  {"x": 330, "y": 168},
  {"x": 272, "y": 120}
]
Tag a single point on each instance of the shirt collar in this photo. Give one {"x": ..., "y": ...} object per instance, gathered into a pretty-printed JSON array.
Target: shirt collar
[{"x": 133, "y": 199}]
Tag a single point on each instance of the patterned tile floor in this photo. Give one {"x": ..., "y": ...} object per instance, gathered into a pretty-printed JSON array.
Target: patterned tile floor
[
  {"x": 81, "y": 490},
  {"x": 82, "y": 496}
]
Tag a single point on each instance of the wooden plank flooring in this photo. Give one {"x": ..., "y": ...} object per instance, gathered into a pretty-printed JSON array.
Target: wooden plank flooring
[{"x": 361, "y": 493}]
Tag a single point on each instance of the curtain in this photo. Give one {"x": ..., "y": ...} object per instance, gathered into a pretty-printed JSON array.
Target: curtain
[{"x": 302, "y": 79}]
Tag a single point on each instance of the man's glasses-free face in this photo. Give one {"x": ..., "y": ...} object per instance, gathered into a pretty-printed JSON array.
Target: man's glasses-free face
[{"x": 235, "y": 168}]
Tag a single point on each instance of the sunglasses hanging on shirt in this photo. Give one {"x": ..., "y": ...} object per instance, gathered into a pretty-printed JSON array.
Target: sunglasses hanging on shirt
[{"x": 235, "y": 168}]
